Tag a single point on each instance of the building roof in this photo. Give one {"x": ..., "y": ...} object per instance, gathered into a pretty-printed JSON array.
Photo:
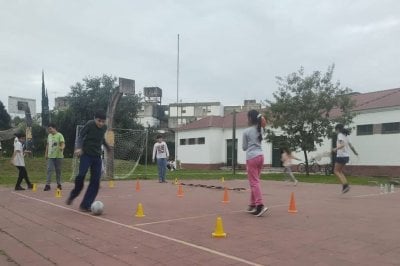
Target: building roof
[
  {"x": 373, "y": 100},
  {"x": 377, "y": 99},
  {"x": 217, "y": 121},
  {"x": 195, "y": 104}
]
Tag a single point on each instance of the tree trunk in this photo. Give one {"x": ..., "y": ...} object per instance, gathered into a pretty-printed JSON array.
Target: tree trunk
[{"x": 306, "y": 160}]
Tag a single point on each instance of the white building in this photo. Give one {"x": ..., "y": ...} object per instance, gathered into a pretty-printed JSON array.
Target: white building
[
  {"x": 15, "y": 106},
  {"x": 148, "y": 115},
  {"x": 207, "y": 143},
  {"x": 184, "y": 113}
]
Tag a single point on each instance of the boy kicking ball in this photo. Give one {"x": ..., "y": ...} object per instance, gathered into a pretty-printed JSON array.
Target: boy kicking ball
[{"x": 88, "y": 148}]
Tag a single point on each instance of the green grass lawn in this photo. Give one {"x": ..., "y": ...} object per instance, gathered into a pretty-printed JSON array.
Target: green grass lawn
[{"x": 36, "y": 168}]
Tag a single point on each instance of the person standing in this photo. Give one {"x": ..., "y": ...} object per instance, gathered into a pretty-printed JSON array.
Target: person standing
[
  {"x": 161, "y": 153},
  {"x": 18, "y": 161},
  {"x": 54, "y": 155},
  {"x": 343, "y": 146},
  {"x": 286, "y": 159},
  {"x": 88, "y": 147},
  {"x": 252, "y": 138}
]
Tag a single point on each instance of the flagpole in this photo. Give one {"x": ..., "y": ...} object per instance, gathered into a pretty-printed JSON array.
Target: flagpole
[{"x": 177, "y": 106}]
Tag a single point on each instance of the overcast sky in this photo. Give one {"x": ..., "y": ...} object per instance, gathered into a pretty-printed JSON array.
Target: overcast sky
[{"x": 229, "y": 50}]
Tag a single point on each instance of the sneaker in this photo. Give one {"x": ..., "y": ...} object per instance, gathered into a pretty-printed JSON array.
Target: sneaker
[
  {"x": 19, "y": 188},
  {"x": 345, "y": 189},
  {"x": 251, "y": 209},
  {"x": 47, "y": 188},
  {"x": 59, "y": 187},
  {"x": 295, "y": 182},
  {"x": 83, "y": 209},
  {"x": 68, "y": 201},
  {"x": 260, "y": 210}
]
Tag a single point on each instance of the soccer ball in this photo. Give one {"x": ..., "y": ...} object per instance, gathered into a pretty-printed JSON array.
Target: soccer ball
[{"x": 97, "y": 207}]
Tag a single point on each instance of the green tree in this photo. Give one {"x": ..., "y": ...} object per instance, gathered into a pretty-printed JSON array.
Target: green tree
[
  {"x": 5, "y": 119},
  {"x": 303, "y": 109},
  {"x": 85, "y": 98}
]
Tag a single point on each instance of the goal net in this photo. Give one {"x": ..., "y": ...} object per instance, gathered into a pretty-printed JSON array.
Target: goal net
[{"x": 127, "y": 147}]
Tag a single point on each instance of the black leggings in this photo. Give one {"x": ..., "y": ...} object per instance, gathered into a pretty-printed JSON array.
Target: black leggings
[{"x": 22, "y": 174}]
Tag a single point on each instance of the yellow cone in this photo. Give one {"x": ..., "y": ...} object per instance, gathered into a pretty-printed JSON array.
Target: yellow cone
[
  {"x": 111, "y": 183},
  {"x": 58, "y": 193},
  {"x": 219, "y": 229},
  {"x": 176, "y": 181},
  {"x": 139, "y": 211},
  {"x": 222, "y": 179},
  {"x": 34, "y": 187}
]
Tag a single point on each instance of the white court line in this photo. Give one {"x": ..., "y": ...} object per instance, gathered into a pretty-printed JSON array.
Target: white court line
[
  {"x": 373, "y": 195},
  {"x": 201, "y": 216},
  {"x": 147, "y": 232}
]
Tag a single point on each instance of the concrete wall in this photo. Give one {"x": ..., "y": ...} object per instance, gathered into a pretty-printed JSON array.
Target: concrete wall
[{"x": 208, "y": 153}]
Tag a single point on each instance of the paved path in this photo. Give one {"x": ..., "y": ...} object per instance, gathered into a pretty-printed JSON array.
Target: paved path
[{"x": 359, "y": 228}]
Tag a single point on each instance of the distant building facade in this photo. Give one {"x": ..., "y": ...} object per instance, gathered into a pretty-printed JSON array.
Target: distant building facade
[
  {"x": 15, "y": 106},
  {"x": 152, "y": 113},
  {"x": 247, "y": 105},
  {"x": 184, "y": 113},
  {"x": 61, "y": 103}
]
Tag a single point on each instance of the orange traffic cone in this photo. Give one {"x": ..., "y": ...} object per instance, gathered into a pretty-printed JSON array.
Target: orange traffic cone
[
  {"x": 180, "y": 191},
  {"x": 137, "y": 185},
  {"x": 219, "y": 229},
  {"x": 226, "y": 196},
  {"x": 292, "y": 205}
]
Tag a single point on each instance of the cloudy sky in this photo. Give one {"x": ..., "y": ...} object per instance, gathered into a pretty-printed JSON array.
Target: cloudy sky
[{"x": 230, "y": 50}]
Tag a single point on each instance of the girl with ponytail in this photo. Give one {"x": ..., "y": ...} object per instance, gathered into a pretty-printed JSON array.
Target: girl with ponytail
[
  {"x": 343, "y": 145},
  {"x": 252, "y": 138}
]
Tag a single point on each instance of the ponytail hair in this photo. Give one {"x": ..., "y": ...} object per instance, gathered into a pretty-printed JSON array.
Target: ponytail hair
[
  {"x": 341, "y": 129},
  {"x": 255, "y": 118}
]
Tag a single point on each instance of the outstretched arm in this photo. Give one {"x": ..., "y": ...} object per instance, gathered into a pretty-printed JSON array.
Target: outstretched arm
[{"x": 353, "y": 149}]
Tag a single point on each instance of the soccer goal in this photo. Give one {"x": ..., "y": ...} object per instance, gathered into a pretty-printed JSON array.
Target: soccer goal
[{"x": 128, "y": 146}]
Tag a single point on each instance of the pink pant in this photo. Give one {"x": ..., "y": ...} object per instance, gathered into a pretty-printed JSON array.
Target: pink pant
[{"x": 254, "y": 167}]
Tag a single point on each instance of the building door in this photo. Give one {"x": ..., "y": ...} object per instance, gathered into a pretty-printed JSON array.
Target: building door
[
  {"x": 277, "y": 145},
  {"x": 229, "y": 148}
]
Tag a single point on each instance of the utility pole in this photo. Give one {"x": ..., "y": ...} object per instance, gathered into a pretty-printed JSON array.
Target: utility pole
[
  {"x": 234, "y": 142},
  {"x": 177, "y": 106}
]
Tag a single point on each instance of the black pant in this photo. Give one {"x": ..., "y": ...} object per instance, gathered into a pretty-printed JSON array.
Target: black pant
[
  {"x": 22, "y": 174},
  {"x": 86, "y": 162}
]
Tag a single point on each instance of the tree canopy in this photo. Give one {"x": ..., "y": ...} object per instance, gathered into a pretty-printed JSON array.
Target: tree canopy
[
  {"x": 5, "y": 119},
  {"x": 88, "y": 96},
  {"x": 306, "y": 107}
]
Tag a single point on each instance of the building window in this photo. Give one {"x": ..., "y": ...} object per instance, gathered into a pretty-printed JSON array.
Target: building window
[
  {"x": 201, "y": 140},
  {"x": 365, "y": 130},
  {"x": 192, "y": 141},
  {"x": 390, "y": 128},
  {"x": 182, "y": 141}
]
